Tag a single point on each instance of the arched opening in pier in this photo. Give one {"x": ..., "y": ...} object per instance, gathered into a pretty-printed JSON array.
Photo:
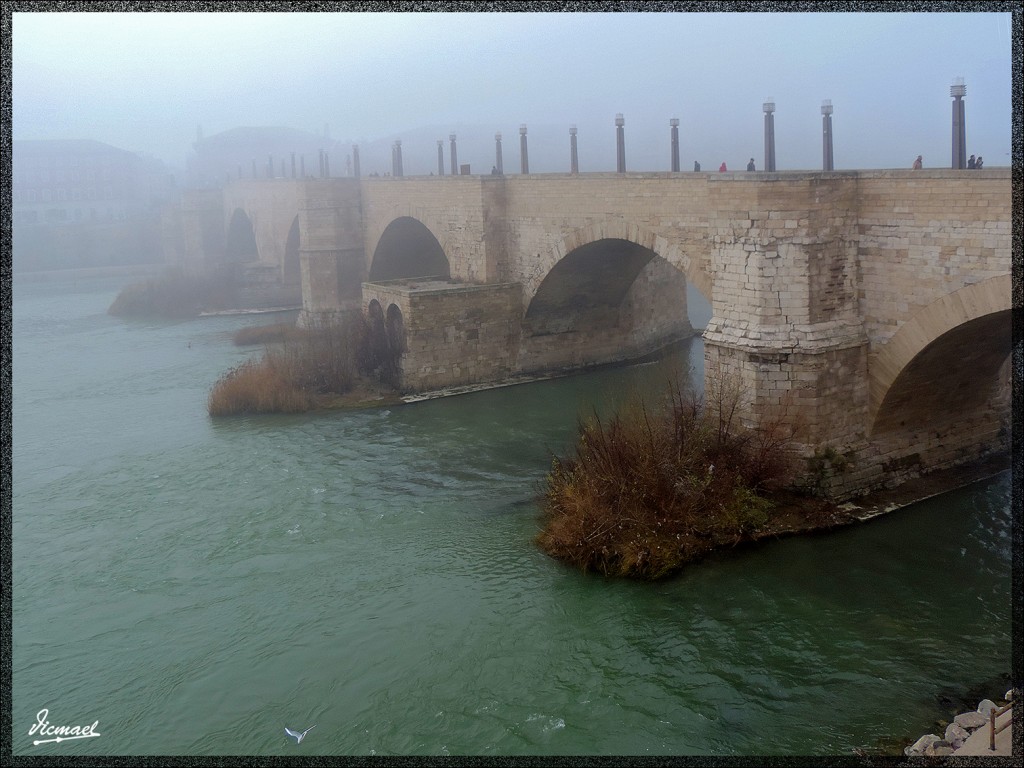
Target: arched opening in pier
[
  {"x": 241, "y": 239},
  {"x": 958, "y": 379},
  {"x": 290, "y": 270},
  {"x": 385, "y": 342},
  {"x": 408, "y": 249},
  {"x": 395, "y": 327}
]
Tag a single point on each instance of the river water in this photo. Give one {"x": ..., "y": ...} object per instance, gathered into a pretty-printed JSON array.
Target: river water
[{"x": 196, "y": 586}]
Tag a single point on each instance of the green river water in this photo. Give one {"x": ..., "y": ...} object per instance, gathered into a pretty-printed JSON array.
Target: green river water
[{"x": 196, "y": 586}]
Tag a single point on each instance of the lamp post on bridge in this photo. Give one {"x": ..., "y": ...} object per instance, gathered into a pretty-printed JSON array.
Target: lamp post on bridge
[
  {"x": 620, "y": 143},
  {"x": 524, "y": 158},
  {"x": 455, "y": 162},
  {"x": 355, "y": 160},
  {"x": 398, "y": 170},
  {"x": 497, "y": 153},
  {"x": 958, "y": 90},
  {"x": 769, "y": 133},
  {"x": 827, "y": 163},
  {"x": 440, "y": 157},
  {"x": 674, "y": 122},
  {"x": 574, "y": 159}
]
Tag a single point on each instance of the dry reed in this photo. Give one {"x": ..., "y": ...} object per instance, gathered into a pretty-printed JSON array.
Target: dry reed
[{"x": 648, "y": 491}]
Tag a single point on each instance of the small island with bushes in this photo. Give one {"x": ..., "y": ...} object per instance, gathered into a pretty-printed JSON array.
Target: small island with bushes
[
  {"x": 331, "y": 364},
  {"x": 652, "y": 489}
]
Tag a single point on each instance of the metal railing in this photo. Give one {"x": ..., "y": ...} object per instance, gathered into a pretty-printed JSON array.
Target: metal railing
[{"x": 993, "y": 730}]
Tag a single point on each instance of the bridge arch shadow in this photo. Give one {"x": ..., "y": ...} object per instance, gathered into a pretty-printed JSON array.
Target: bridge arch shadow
[
  {"x": 606, "y": 300},
  {"x": 240, "y": 245},
  {"x": 947, "y": 362},
  {"x": 586, "y": 288},
  {"x": 407, "y": 248}
]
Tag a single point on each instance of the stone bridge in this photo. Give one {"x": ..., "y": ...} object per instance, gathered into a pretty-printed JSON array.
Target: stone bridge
[{"x": 870, "y": 308}]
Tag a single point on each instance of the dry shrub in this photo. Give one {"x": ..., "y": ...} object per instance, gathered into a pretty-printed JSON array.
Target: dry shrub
[
  {"x": 257, "y": 387},
  {"x": 320, "y": 360},
  {"x": 648, "y": 491},
  {"x": 276, "y": 333}
]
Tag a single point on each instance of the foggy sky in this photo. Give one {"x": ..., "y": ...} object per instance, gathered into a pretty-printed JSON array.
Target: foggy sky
[{"x": 145, "y": 81}]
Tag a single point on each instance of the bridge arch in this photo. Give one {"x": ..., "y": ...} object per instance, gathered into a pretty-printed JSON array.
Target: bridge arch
[
  {"x": 585, "y": 289},
  {"x": 407, "y": 248},
  {"x": 620, "y": 229},
  {"x": 240, "y": 245},
  {"x": 945, "y": 360}
]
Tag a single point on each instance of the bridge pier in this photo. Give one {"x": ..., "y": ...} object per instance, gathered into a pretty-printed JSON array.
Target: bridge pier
[
  {"x": 331, "y": 254},
  {"x": 202, "y": 227},
  {"x": 786, "y": 331}
]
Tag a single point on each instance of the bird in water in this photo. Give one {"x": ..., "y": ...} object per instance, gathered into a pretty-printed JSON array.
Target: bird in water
[{"x": 298, "y": 736}]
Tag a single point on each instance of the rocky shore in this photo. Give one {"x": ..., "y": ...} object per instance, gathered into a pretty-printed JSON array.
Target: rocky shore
[{"x": 959, "y": 737}]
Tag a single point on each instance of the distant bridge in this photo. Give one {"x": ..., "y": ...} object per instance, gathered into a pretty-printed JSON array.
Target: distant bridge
[{"x": 872, "y": 307}]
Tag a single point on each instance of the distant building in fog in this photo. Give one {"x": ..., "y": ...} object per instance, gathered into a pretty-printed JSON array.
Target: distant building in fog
[
  {"x": 268, "y": 151},
  {"x": 85, "y": 203}
]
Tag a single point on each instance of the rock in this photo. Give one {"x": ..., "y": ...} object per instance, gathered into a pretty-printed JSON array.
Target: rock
[
  {"x": 918, "y": 747},
  {"x": 938, "y": 749},
  {"x": 955, "y": 735},
  {"x": 1009, "y": 695},
  {"x": 970, "y": 721},
  {"x": 986, "y": 706}
]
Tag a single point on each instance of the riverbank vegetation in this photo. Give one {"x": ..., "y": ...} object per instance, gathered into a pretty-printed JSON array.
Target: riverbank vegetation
[
  {"x": 176, "y": 294},
  {"x": 277, "y": 333},
  {"x": 306, "y": 368},
  {"x": 650, "y": 489}
]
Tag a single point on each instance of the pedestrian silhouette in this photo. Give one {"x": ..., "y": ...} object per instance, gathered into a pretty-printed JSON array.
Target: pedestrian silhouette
[
  {"x": 722, "y": 168},
  {"x": 918, "y": 164},
  {"x": 971, "y": 164},
  {"x": 979, "y": 162},
  {"x": 750, "y": 165},
  {"x": 696, "y": 166}
]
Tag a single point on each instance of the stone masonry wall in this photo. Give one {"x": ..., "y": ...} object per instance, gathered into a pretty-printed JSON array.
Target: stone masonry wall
[
  {"x": 924, "y": 234},
  {"x": 453, "y": 209},
  {"x": 455, "y": 334},
  {"x": 330, "y": 246},
  {"x": 271, "y": 206}
]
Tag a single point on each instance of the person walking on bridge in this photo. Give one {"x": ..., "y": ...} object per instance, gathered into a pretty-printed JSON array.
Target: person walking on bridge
[
  {"x": 722, "y": 168},
  {"x": 918, "y": 165},
  {"x": 750, "y": 165}
]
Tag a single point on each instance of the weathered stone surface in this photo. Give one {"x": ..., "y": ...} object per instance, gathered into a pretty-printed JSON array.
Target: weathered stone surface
[
  {"x": 1009, "y": 695},
  {"x": 918, "y": 747},
  {"x": 938, "y": 749},
  {"x": 955, "y": 735},
  {"x": 986, "y": 706},
  {"x": 970, "y": 720}
]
